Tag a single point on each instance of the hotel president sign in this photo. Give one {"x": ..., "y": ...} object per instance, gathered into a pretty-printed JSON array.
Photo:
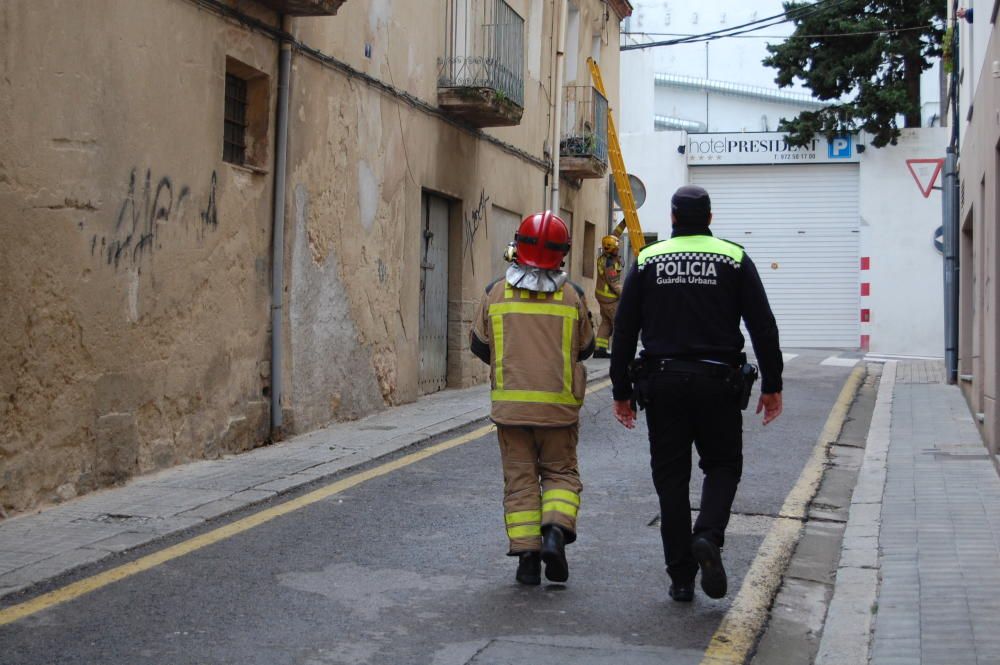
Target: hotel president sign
[{"x": 767, "y": 148}]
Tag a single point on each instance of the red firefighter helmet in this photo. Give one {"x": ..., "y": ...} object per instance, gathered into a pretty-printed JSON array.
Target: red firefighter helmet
[{"x": 542, "y": 241}]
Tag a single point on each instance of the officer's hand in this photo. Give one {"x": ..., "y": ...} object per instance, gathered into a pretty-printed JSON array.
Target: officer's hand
[
  {"x": 770, "y": 404},
  {"x": 624, "y": 413}
]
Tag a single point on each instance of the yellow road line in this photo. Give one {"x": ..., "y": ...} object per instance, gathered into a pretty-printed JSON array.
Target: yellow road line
[
  {"x": 85, "y": 586},
  {"x": 738, "y": 631}
]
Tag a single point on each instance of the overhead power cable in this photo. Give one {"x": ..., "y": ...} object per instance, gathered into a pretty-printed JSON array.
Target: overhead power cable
[
  {"x": 752, "y": 26},
  {"x": 891, "y": 31}
]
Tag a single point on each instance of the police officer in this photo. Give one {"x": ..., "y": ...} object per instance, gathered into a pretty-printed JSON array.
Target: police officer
[
  {"x": 686, "y": 296},
  {"x": 607, "y": 289},
  {"x": 533, "y": 329}
]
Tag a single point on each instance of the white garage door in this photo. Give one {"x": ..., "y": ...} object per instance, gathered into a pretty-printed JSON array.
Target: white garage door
[{"x": 800, "y": 224}]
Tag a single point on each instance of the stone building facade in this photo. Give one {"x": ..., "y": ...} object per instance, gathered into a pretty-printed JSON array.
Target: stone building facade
[
  {"x": 138, "y": 162},
  {"x": 979, "y": 204}
]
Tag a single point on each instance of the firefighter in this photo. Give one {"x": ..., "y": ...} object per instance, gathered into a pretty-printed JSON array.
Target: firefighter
[
  {"x": 533, "y": 329},
  {"x": 607, "y": 290}
]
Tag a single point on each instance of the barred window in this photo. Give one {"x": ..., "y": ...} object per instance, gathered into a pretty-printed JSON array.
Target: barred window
[{"x": 235, "y": 122}]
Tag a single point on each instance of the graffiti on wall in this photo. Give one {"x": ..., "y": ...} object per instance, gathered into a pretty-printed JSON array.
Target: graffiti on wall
[
  {"x": 475, "y": 220},
  {"x": 143, "y": 210}
]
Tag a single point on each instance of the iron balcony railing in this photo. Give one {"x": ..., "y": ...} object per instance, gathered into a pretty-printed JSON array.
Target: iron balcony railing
[
  {"x": 484, "y": 48},
  {"x": 584, "y": 123}
]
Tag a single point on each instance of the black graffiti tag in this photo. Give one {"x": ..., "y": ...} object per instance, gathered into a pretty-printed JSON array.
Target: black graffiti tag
[
  {"x": 140, "y": 215},
  {"x": 475, "y": 220}
]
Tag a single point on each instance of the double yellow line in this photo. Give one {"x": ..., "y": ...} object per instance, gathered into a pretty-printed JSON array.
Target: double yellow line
[{"x": 89, "y": 584}]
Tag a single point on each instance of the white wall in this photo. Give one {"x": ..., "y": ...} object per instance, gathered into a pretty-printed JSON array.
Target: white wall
[
  {"x": 930, "y": 96},
  {"x": 654, "y": 159},
  {"x": 897, "y": 229},
  {"x": 723, "y": 113},
  {"x": 973, "y": 40},
  {"x": 637, "y": 93}
]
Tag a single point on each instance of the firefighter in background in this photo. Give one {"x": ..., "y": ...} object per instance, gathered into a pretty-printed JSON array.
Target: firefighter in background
[
  {"x": 607, "y": 290},
  {"x": 533, "y": 329}
]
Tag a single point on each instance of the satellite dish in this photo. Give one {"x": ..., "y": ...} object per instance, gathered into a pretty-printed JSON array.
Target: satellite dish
[{"x": 638, "y": 191}]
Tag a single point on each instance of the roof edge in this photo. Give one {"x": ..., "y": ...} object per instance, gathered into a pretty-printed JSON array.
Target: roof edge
[{"x": 622, "y": 7}]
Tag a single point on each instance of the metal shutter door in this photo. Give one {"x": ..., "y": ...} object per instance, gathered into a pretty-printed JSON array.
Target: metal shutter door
[
  {"x": 433, "y": 371},
  {"x": 800, "y": 224}
]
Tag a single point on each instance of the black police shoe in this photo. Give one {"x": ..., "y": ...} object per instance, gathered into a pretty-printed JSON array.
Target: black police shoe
[
  {"x": 713, "y": 574},
  {"x": 601, "y": 353},
  {"x": 554, "y": 553},
  {"x": 529, "y": 568},
  {"x": 682, "y": 592}
]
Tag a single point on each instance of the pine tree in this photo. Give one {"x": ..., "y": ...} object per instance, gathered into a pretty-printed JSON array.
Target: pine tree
[{"x": 870, "y": 52}]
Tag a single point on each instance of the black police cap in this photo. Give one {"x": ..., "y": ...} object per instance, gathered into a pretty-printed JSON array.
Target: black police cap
[{"x": 691, "y": 199}]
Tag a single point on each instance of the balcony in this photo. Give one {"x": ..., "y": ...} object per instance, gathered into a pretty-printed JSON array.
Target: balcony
[
  {"x": 481, "y": 76},
  {"x": 304, "y": 7},
  {"x": 583, "y": 145}
]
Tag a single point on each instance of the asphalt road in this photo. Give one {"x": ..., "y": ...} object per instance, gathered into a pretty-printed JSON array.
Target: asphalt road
[{"x": 409, "y": 567}]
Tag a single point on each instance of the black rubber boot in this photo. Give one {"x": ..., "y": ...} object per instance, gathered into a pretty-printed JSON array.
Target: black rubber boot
[
  {"x": 554, "y": 553},
  {"x": 713, "y": 574},
  {"x": 529, "y": 568},
  {"x": 682, "y": 592}
]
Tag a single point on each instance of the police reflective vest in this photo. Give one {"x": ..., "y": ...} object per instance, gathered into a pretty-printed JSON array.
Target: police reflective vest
[{"x": 534, "y": 343}]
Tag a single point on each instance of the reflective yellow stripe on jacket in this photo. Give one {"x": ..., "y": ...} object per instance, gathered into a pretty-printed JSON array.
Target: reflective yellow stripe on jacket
[
  {"x": 606, "y": 292},
  {"x": 603, "y": 289},
  {"x": 570, "y": 315}
]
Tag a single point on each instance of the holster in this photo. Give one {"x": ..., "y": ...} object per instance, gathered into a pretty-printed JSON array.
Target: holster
[{"x": 742, "y": 380}]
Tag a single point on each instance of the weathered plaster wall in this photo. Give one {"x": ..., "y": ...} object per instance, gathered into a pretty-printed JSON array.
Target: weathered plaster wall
[
  {"x": 979, "y": 175},
  {"x": 135, "y": 281},
  {"x": 137, "y": 313},
  {"x": 357, "y": 229}
]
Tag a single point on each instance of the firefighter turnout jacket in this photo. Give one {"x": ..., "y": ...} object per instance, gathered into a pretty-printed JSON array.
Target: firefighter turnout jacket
[
  {"x": 687, "y": 295},
  {"x": 609, "y": 278},
  {"x": 534, "y": 343}
]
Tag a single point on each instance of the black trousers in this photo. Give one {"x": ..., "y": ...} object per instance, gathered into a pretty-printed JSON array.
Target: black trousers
[{"x": 685, "y": 408}]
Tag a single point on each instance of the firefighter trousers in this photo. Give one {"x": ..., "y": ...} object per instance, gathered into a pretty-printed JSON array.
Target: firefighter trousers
[
  {"x": 541, "y": 483},
  {"x": 607, "y": 327}
]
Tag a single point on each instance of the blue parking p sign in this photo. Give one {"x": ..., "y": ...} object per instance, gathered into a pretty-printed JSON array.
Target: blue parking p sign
[{"x": 840, "y": 147}]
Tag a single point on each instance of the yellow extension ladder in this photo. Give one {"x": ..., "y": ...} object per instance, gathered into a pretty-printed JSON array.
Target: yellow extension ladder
[{"x": 636, "y": 240}]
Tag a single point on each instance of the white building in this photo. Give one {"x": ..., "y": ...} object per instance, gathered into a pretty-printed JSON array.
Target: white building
[{"x": 842, "y": 234}]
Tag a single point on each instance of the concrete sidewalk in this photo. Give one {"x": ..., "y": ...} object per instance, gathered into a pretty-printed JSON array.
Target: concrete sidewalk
[
  {"x": 39, "y": 546},
  {"x": 919, "y": 576}
]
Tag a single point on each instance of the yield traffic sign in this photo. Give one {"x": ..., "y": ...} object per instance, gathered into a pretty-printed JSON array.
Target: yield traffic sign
[{"x": 925, "y": 172}]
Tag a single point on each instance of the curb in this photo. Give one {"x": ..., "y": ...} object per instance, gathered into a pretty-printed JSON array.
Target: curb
[
  {"x": 847, "y": 630},
  {"x": 744, "y": 622}
]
